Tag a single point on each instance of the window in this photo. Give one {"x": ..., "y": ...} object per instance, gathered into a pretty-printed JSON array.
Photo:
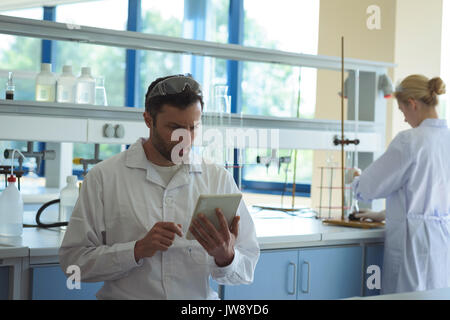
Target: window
[
  {"x": 192, "y": 19},
  {"x": 104, "y": 61},
  {"x": 270, "y": 89},
  {"x": 279, "y": 90},
  {"x": 274, "y": 171},
  {"x": 266, "y": 89},
  {"x": 87, "y": 14},
  {"x": 18, "y": 55}
]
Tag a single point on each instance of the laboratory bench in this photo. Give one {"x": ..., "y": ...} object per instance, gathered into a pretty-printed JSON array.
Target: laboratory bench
[{"x": 305, "y": 259}]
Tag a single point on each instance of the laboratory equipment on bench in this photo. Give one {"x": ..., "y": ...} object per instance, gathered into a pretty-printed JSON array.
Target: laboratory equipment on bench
[
  {"x": 68, "y": 198},
  {"x": 38, "y": 155},
  {"x": 86, "y": 162},
  {"x": 11, "y": 206},
  {"x": 46, "y": 84},
  {"x": 11, "y": 210},
  {"x": 10, "y": 87},
  {"x": 350, "y": 207}
]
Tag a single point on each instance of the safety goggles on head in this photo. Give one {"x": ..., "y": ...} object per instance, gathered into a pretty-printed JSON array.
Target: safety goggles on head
[{"x": 174, "y": 85}]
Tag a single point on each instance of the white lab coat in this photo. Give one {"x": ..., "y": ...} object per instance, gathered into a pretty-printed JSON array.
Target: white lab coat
[
  {"x": 120, "y": 201},
  {"x": 414, "y": 177}
]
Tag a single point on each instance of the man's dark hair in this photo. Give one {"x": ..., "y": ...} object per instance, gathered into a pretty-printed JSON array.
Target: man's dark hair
[{"x": 181, "y": 100}]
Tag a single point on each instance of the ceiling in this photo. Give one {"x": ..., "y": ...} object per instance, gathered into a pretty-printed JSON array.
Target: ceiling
[{"x": 23, "y": 4}]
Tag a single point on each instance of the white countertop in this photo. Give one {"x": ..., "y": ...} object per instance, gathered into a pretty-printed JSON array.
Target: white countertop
[
  {"x": 436, "y": 294},
  {"x": 274, "y": 231}
]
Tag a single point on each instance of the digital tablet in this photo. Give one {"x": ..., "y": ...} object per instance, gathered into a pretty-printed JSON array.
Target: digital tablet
[{"x": 207, "y": 204}]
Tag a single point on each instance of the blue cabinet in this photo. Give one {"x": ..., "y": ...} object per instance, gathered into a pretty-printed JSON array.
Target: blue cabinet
[
  {"x": 275, "y": 278},
  {"x": 330, "y": 273},
  {"x": 4, "y": 283},
  {"x": 50, "y": 283},
  {"x": 374, "y": 257},
  {"x": 316, "y": 273}
]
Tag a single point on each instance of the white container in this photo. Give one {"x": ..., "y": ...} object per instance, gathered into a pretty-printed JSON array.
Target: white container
[
  {"x": 66, "y": 86},
  {"x": 85, "y": 87},
  {"x": 46, "y": 84},
  {"x": 68, "y": 198},
  {"x": 11, "y": 210}
]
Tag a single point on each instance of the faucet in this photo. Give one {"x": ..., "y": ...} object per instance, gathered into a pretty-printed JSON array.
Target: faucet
[
  {"x": 38, "y": 155},
  {"x": 86, "y": 162}
]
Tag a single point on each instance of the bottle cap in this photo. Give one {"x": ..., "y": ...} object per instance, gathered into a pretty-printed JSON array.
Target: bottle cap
[
  {"x": 11, "y": 179},
  {"x": 67, "y": 69},
  {"x": 72, "y": 179},
  {"x": 46, "y": 67},
  {"x": 85, "y": 71}
]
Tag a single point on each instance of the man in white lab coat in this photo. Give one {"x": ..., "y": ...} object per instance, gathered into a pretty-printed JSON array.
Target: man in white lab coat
[{"x": 128, "y": 227}]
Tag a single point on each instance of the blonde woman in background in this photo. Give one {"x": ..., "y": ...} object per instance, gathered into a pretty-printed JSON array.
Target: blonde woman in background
[{"x": 414, "y": 177}]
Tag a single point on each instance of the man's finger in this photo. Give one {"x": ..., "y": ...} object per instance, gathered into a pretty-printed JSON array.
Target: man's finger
[
  {"x": 164, "y": 241},
  {"x": 172, "y": 227},
  {"x": 209, "y": 228},
  {"x": 223, "y": 222},
  {"x": 235, "y": 226},
  {"x": 201, "y": 229},
  {"x": 199, "y": 238}
]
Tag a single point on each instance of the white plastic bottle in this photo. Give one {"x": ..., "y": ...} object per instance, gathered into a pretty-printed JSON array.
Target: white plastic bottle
[
  {"x": 66, "y": 86},
  {"x": 68, "y": 198},
  {"x": 45, "y": 84},
  {"x": 11, "y": 210},
  {"x": 85, "y": 87}
]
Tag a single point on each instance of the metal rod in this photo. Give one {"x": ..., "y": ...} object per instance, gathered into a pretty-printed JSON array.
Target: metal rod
[
  {"x": 321, "y": 185},
  {"x": 342, "y": 127},
  {"x": 331, "y": 193}
]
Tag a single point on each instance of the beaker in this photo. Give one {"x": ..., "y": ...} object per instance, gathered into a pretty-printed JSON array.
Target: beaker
[
  {"x": 222, "y": 101},
  {"x": 100, "y": 92}
]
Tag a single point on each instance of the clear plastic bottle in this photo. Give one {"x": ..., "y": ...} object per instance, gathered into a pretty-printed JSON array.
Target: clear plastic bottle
[
  {"x": 85, "y": 87},
  {"x": 46, "y": 84},
  {"x": 66, "y": 86},
  {"x": 11, "y": 210},
  {"x": 68, "y": 198}
]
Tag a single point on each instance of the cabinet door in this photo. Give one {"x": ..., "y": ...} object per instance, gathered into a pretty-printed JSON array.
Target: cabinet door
[
  {"x": 37, "y": 128},
  {"x": 330, "y": 273},
  {"x": 50, "y": 283},
  {"x": 374, "y": 257},
  {"x": 274, "y": 279},
  {"x": 4, "y": 283}
]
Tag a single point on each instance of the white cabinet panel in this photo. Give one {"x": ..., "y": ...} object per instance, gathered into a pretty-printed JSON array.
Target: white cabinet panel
[
  {"x": 35, "y": 128},
  {"x": 116, "y": 132}
]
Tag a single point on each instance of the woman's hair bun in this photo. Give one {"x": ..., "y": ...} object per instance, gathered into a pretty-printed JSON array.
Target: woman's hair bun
[{"x": 436, "y": 85}]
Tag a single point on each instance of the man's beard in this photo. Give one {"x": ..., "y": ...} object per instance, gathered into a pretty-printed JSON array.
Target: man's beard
[{"x": 162, "y": 148}]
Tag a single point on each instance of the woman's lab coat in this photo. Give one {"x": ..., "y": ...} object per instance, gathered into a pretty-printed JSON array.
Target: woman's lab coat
[
  {"x": 120, "y": 200},
  {"x": 414, "y": 177}
]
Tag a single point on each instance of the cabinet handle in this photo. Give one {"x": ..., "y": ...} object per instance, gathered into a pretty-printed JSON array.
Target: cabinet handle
[
  {"x": 294, "y": 291},
  {"x": 307, "y": 287}
]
